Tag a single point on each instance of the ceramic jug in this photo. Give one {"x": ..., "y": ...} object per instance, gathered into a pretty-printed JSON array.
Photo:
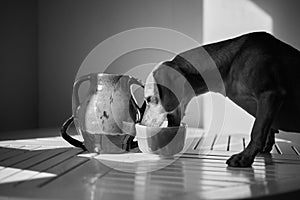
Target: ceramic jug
[{"x": 106, "y": 117}]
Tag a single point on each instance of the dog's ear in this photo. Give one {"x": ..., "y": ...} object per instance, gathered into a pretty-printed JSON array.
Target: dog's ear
[
  {"x": 168, "y": 99},
  {"x": 170, "y": 85}
]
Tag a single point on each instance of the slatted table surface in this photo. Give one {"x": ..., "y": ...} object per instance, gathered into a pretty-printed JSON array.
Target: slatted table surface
[{"x": 49, "y": 168}]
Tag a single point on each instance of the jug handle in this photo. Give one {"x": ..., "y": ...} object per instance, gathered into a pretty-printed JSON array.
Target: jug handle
[
  {"x": 76, "y": 103},
  {"x": 67, "y": 137},
  {"x": 77, "y": 83},
  {"x": 140, "y": 110}
]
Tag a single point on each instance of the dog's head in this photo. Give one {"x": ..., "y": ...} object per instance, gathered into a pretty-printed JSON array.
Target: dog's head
[{"x": 166, "y": 94}]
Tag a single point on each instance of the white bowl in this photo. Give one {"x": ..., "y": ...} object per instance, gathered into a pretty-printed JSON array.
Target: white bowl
[{"x": 164, "y": 141}]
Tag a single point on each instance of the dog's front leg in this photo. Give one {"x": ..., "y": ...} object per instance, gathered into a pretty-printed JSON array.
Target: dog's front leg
[
  {"x": 268, "y": 104},
  {"x": 270, "y": 141}
]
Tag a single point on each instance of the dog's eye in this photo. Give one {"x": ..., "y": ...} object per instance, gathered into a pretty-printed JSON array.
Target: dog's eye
[{"x": 148, "y": 99}]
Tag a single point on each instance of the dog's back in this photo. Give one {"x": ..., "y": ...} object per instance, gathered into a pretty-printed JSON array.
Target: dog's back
[{"x": 259, "y": 61}]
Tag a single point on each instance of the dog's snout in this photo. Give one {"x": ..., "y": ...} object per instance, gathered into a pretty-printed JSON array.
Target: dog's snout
[{"x": 154, "y": 100}]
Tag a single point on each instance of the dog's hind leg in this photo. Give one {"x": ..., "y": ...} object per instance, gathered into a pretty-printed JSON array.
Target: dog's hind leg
[
  {"x": 270, "y": 141},
  {"x": 269, "y": 103}
]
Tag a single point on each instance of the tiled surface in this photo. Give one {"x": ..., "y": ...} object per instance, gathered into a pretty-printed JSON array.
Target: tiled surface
[{"x": 48, "y": 168}]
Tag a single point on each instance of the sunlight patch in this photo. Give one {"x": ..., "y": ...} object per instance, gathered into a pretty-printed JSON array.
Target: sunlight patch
[{"x": 9, "y": 174}]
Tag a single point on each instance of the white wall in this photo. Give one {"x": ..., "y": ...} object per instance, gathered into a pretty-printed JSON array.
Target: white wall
[{"x": 223, "y": 20}]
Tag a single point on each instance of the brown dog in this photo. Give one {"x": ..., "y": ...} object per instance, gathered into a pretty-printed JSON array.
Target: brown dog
[{"x": 259, "y": 73}]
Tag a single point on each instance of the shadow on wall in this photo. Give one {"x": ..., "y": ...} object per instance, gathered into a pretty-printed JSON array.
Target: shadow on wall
[
  {"x": 70, "y": 29},
  {"x": 285, "y": 15},
  {"x": 18, "y": 65},
  {"x": 44, "y": 42}
]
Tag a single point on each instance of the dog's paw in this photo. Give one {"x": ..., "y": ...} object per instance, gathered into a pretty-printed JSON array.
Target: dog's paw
[{"x": 240, "y": 160}]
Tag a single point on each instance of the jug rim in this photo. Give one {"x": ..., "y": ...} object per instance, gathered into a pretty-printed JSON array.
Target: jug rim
[
  {"x": 107, "y": 74},
  {"x": 104, "y": 74},
  {"x": 98, "y": 75}
]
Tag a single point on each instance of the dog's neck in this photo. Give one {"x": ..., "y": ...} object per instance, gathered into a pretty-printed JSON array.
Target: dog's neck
[{"x": 209, "y": 65}]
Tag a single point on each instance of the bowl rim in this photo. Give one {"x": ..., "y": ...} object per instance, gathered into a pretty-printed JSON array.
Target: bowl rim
[{"x": 182, "y": 125}]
